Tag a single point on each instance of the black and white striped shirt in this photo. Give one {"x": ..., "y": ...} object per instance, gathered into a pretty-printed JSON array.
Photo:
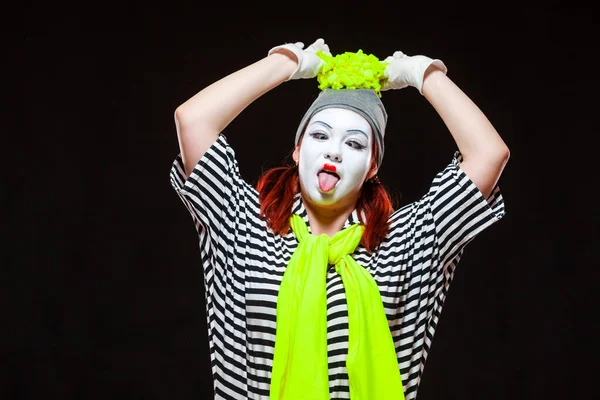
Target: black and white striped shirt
[{"x": 244, "y": 261}]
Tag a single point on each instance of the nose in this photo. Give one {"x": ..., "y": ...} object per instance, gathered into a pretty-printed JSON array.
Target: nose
[{"x": 333, "y": 155}]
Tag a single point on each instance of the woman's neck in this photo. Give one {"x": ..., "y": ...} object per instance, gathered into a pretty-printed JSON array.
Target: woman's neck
[{"x": 326, "y": 220}]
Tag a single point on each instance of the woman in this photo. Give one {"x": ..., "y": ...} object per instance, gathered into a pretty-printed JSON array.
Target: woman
[{"x": 315, "y": 287}]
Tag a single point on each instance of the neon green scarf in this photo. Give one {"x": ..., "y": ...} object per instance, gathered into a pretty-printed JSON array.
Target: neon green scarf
[{"x": 300, "y": 367}]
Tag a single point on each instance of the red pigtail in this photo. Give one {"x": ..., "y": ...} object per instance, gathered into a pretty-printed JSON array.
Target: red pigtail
[{"x": 277, "y": 188}]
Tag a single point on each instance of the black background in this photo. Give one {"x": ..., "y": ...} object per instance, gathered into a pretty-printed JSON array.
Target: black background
[{"x": 108, "y": 295}]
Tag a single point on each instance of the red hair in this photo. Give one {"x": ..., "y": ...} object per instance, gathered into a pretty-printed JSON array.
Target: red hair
[{"x": 278, "y": 186}]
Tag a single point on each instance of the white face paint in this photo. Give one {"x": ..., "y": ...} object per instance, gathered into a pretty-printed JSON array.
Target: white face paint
[{"x": 341, "y": 140}]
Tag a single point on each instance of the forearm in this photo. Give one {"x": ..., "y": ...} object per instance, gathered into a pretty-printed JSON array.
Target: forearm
[
  {"x": 201, "y": 118},
  {"x": 473, "y": 133},
  {"x": 484, "y": 153},
  {"x": 218, "y": 104}
]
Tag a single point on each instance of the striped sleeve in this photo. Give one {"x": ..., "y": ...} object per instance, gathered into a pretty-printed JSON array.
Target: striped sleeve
[
  {"x": 218, "y": 200},
  {"x": 214, "y": 194},
  {"x": 459, "y": 210},
  {"x": 416, "y": 262}
]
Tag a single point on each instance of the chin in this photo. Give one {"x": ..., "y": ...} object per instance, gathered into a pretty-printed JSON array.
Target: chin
[{"x": 332, "y": 199}]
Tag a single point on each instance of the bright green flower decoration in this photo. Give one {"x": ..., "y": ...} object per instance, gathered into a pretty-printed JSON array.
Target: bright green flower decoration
[{"x": 351, "y": 71}]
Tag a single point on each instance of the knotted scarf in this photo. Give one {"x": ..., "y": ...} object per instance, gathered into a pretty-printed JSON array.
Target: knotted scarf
[{"x": 300, "y": 364}]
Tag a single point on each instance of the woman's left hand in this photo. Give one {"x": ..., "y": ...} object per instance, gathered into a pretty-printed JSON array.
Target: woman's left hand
[{"x": 403, "y": 71}]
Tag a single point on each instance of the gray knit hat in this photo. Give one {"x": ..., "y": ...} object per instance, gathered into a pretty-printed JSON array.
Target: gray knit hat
[{"x": 365, "y": 102}]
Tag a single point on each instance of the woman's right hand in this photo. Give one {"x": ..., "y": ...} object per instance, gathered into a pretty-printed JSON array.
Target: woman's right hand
[{"x": 309, "y": 63}]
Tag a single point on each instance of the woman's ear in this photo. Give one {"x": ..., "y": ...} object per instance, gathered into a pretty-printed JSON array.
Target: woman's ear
[
  {"x": 372, "y": 173},
  {"x": 296, "y": 154}
]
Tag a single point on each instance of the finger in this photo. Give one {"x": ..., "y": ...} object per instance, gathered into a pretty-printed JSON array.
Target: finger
[
  {"x": 389, "y": 59},
  {"x": 399, "y": 54},
  {"x": 299, "y": 44}
]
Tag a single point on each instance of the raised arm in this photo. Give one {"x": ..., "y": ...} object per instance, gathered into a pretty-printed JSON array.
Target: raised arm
[
  {"x": 201, "y": 119},
  {"x": 484, "y": 153}
]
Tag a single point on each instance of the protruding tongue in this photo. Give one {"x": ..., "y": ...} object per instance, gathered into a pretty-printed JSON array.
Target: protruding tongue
[{"x": 327, "y": 181}]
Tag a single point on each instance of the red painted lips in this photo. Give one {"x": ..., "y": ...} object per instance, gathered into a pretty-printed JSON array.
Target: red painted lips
[{"x": 329, "y": 167}]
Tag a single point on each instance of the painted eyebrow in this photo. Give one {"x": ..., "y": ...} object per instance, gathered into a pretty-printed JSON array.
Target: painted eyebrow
[
  {"x": 322, "y": 123},
  {"x": 348, "y": 131},
  {"x": 357, "y": 131}
]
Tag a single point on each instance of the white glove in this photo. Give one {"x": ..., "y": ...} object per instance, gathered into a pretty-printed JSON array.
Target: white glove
[
  {"x": 309, "y": 62},
  {"x": 403, "y": 71}
]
